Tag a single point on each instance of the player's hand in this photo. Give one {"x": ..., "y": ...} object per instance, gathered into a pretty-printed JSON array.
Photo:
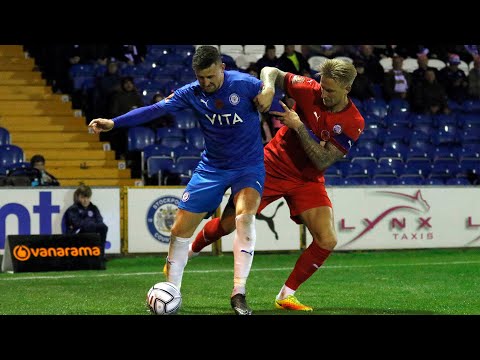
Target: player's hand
[
  {"x": 263, "y": 101},
  {"x": 99, "y": 125},
  {"x": 289, "y": 117}
]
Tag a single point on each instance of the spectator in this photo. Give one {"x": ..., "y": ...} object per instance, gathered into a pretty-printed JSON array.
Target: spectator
[
  {"x": 362, "y": 87},
  {"x": 474, "y": 79},
  {"x": 106, "y": 85},
  {"x": 397, "y": 81},
  {"x": 125, "y": 99},
  {"x": 454, "y": 79},
  {"x": 43, "y": 178},
  {"x": 166, "y": 120},
  {"x": 429, "y": 96},
  {"x": 293, "y": 61},
  {"x": 418, "y": 75},
  {"x": 83, "y": 216},
  {"x": 269, "y": 58},
  {"x": 373, "y": 69}
]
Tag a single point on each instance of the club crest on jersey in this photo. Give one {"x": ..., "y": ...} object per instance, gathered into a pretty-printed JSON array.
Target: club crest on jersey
[
  {"x": 234, "y": 99},
  {"x": 337, "y": 129},
  {"x": 161, "y": 216},
  {"x": 325, "y": 135},
  {"x": 297, "y": 79}
]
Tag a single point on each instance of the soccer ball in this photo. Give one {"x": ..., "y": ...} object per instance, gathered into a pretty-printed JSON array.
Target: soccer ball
[{"x": 164, "y": 298}]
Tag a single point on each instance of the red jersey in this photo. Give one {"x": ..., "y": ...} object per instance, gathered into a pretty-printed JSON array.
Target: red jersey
[{"x": 284, "y": 154}]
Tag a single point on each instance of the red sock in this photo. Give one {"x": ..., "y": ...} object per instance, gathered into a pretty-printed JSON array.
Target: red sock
[
  {"x": 211, "y": 232},
  {"x": 310, "y": 261}
]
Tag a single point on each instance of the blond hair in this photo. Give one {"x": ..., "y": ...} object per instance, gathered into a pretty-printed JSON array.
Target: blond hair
[{"x": 341, "y": 71}]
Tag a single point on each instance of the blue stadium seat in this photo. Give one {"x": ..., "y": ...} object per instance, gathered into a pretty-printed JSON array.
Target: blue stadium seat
[
  {"x": 365, "y": 162},
  {"x": 187, "y": 164},
  {"x": 372, "y": 132},
  {"x": 434, "y": 181},
  {"x": 186, "y": 150},
  {"x": 460, "y": 181},
  {"x": 371, "y": 119},
  {"x": 398, "y": 106},
  {"x": 394, "y": 149},
  {"x": 11, "y": 154},
  {"x": 468, "y": 120},
  {"x": 354, "y": 180},
  {"x": 365, "y": 148},
  {"x": 400, "y": 134},
  {"x": 418, "y": 166},
  {"x": 469, "y": 151},
  {"x": 421, "y": 119},
  {"x": 185, "y": 120},
  {"x": 172, "y": 142},
  {"x": 184, "y": 179},
  {"x": 4, "y": 136},
  {"x": 471, "y": 106},
  {"x": 442, "y": 120},
  {"x": 444, "y": 136},
  {"x": 397, "y": 120},
  {"x": 154, "y": 150},
  {"x": 444, "y": 168},
  {"x": 409, "y": 180},
  {"x": 169, "y": 132},
  {"x": 445, "y": 152},
  {"x": 419, "y": 149},
  {"x": 139, "y": 137},
  {"x": 332, "y": 180},
  {"x": 195, "y": 138},
  {"x": 395, "y": 163},
  {"x": 376, "y": 106},
  {"x": 355, "y": 170},
  {"x": 382, "y": 180},
  {"x": 420, "y": 135},
  {"x": 470, "y": 136},
  {"x": 157, "y": 166}
]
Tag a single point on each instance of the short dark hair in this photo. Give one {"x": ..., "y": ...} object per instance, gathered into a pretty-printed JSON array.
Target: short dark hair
[
  {"x": 269, "y": 47},
  {"x": 37, "y": 158},
  {"x": 205, "y": 56},
  {"x": 83, "y": 190}
]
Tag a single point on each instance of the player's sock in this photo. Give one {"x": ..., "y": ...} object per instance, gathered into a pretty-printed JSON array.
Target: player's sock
[
  {"x": 177, "y": 259},
  {"x": 211, "y": 232},
  {"x": 310, "y": 261},
  {"x": 284, "y": 292},
  {"x": 243, "y": 248}
]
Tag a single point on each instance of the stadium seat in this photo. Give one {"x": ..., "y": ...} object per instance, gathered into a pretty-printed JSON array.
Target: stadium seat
[
  {"x": 11, "y": 154},
  {"x": 399, "y": 134},
  {"x": 420, "y": 119},
  {"x": 195, "y": 138},
  {"x": 332, "y": 180},
  {"x": 470, "y": 136},
  {"x": 400, "y": 119},
  {"x": 366, "y": 163},
  {"x": 169, "y": 132},
  {"x": 186, "y": 150},
  {"x": 407, "y": 179},
  {"x": 172, "y": 142},
  {"x": 4, "y": 136},
  {"x": 444, "y": 120},
  {"x": 394, "y": 149},
  {"x": 354, "y": 180},
  {"x": 436, "y": 63},
  {"x": 157, "y": 166},
  {"x": 187, "y": 164},
  {"x": 376, "y": 106},
  {"x": 398, "y": 106},
  {"x": 354, "y": 169},
  {"x": 471, "y": 106},
  {"x": 154, "y": 150},
  {"x": 138, "y": 137},
  {"x": 444, "y": 168},
  {"x": 434, "y": 181},
  {"x": 386, "y": 63},
  {"x": 444, "y": 136},
  {"x": 460, "y": 181},
  {"x": 185, "y": 120},
  {"x": 365, "y": 148},
  {"x": 445, "y": 152},
  {"x": 419, "y": 134},
  {"x": 418, "y": 166},
  {"x": 410, "y": 64}
]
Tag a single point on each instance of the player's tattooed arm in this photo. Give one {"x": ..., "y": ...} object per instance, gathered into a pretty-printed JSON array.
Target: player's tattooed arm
[
  {"x": 272, "y": 77},
  {"x": 321, "y": 154}
]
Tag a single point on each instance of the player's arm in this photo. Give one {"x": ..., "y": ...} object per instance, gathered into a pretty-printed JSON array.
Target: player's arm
[
  {"x": 321, "y": 153},
  {"x": 271, "y": 78},
  {"x": 132, "y": 118}
]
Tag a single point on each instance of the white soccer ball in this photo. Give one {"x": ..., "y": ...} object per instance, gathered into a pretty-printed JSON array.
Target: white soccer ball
[{"x": 164, "y": 298}]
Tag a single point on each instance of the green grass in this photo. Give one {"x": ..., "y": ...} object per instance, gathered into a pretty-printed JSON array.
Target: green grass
[{"x": 414, "y": 282}]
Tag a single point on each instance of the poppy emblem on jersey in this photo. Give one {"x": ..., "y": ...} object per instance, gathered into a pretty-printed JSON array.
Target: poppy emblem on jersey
[
  {"x": 337, "y": 129},
  {"x": 234, "y": 99},
  {"x": 298, "y": 79},
  {"x": 325, "y": 135},
  {"x": 219, "y": 104}
]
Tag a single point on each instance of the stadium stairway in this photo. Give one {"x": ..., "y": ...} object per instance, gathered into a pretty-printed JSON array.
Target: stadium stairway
[{"x": 41, "y": 122}]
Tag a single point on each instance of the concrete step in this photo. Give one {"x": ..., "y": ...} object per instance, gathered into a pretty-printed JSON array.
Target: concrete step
[
  {"x": 80, "y": 155},
  {"x": 12, "y": 50},
  {"x": 9, "y": 75},
  {"x": 71, "y": 145},
  {"x": 32, "y": 120},
  {"x": 14, "y": 97},
  {"x": 89, "y": 173},
  {"x": 86, "y": 163},
  {"x": 59, "y": 137},
  {"x": 17, "y": 59},
  {"x": 25, "y": 89},
  {"x": 44, "y": 128},
  {"x": 20, "y": 82},
  {"x": 35, "y": 107},
  {"x": 99, "y": 182}
]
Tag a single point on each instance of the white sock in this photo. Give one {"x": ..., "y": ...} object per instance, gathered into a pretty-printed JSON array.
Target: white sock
[
  {"x": 177, "y": 259},
  {"x": 284, "y": 292},
  {"x": 243, "y": 247}
]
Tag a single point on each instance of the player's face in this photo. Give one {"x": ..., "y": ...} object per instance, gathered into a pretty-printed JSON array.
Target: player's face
[
  {"x": 334, "y": 96},
  {"x": 211, "y": 78},
  {"x": 85, "y": 201}
]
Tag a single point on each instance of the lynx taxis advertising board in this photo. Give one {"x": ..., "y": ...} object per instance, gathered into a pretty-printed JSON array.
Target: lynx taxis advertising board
[
  {"x": 40, "y": 211},
  {"x": 405, "y": 217},
  {"x": 151, "y": 212}
]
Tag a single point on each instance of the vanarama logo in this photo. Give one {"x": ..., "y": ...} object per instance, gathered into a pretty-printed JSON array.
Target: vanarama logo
[{"x": 24, "y": 253}]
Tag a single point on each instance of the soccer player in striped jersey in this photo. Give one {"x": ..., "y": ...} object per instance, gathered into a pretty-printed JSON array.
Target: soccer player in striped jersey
[
  {"x": 225, "y": 107},
  {"x": 319, "y": 130}
]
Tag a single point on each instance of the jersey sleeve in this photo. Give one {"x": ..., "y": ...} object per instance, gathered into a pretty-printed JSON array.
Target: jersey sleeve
[
  {"x": 297, "y": 86},
  {"x": 350, "y": 132}
]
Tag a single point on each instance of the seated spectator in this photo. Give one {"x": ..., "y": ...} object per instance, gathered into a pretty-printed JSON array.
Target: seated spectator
[
  {"x": 126, "y": 98},
  {"x": 397, "y": 81},
  {"x": 166, "y": 120},
  {"x": 454, "y": 79},
  {"x": 418, "y": 75},
  {"x": 83, "y": 216},
  {"x": 293, "y": 61},
  {"x": 429, "y": 96},
  {"x": 269, "y": 58},
  {"x": 362, "y": 87},
  {"x": 474, "y": 79},
  {"x": 44, "y": 178}
]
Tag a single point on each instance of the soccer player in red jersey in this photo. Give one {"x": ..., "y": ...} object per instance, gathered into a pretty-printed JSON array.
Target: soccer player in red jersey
[{"x": 319, "y": 130}]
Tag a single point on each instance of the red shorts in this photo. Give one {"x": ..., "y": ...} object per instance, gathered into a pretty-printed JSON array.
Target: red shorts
[{"x": 300, "y": 195}]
